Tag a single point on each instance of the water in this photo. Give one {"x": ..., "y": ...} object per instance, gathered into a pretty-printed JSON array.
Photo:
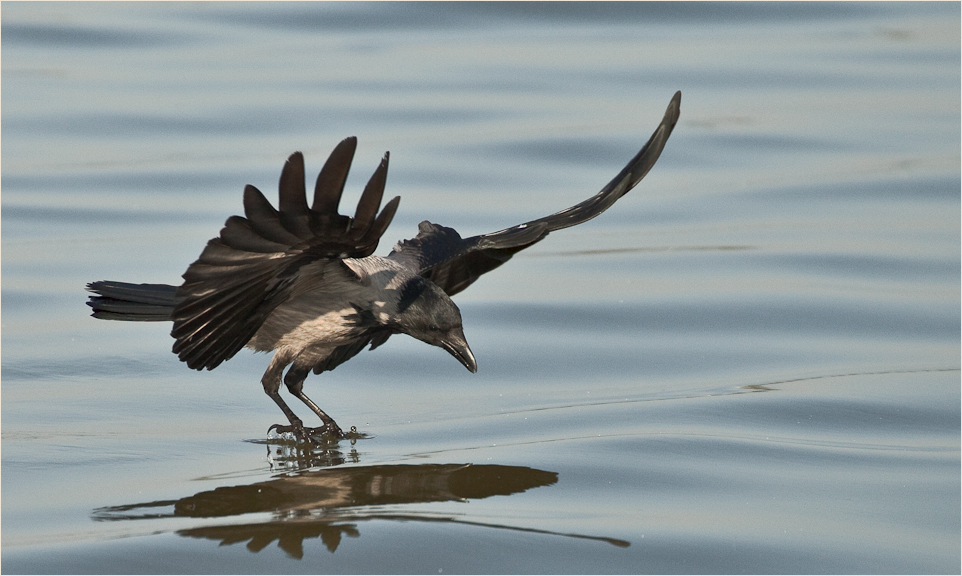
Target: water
[{"x": 749, "y": 364}]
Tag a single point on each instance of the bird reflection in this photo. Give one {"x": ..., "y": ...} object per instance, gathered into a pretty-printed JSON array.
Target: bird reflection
[{"x": 330, "y": 503}]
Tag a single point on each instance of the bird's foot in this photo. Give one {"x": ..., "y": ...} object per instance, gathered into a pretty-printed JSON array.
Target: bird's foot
[{"x": 304, "y": 434}]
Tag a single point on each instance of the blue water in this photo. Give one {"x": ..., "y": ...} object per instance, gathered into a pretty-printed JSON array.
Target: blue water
[{"x": 749, "y": 364}]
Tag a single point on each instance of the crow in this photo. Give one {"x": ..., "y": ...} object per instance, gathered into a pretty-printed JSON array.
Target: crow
[{"x": 303, "y": 281}]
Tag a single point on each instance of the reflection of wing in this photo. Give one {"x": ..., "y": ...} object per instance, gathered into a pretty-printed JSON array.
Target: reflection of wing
[
  {"x": 248, "y": 270},
  {"x": 366, "y": 486},
  {"x": 290, "y": 534},
  {"x": 441, "y": 255},
  {"x": 330, "y": 488}
]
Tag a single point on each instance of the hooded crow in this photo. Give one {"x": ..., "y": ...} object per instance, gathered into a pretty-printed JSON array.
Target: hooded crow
[{"x": 303, "y": 281}]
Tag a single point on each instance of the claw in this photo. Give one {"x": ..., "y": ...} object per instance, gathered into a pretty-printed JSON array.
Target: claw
[
  {"x": 308, "y": 434},
  {"x": 334, "y": 430}
]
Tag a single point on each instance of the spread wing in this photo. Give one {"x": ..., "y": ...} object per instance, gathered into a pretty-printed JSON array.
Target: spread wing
[
  {"x": 244, "y": 273},
  {"x": 439, "y": 254}
]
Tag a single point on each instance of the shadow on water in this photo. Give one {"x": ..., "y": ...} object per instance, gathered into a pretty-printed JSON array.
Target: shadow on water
[{"x": 331, "y": 503}]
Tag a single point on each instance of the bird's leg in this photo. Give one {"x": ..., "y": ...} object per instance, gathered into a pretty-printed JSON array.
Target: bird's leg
[
  {"x": 330, "y": 426},
  {"x": 297, "y": 425},
  {"x": 294, "y": 380},
  {"x": 272, "y": 383}
]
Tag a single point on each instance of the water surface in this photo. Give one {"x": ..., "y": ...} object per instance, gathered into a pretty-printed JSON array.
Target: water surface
[{"x": 749, "y": 364}]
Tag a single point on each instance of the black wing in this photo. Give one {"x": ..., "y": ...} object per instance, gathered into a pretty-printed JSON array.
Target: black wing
[
  {"x": 243, "y": 274},
  {"x": 439, "y": 254}
]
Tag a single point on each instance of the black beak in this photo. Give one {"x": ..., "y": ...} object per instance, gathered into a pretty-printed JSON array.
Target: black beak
[{"x": 456, "y": 345}]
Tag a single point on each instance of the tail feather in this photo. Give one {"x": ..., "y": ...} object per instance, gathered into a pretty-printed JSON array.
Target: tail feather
[{"x": 132, "y": 302}]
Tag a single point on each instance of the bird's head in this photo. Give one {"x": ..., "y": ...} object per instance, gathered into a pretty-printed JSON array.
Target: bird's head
[{"x": 428, "y": 314}]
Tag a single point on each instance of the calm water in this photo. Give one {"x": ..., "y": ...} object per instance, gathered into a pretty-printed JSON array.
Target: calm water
[{"x": 749, "y": 364}]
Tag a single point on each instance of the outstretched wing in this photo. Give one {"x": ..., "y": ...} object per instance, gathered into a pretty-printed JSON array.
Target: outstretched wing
[
  {"x": 439, "y": 254},
  {"x": 244, "y": 273}
]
